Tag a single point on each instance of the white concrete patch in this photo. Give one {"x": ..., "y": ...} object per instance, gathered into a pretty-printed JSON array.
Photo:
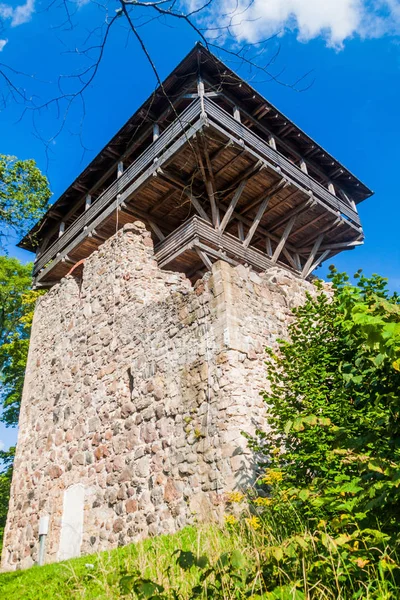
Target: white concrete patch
[{"x": 72, "y": 522}]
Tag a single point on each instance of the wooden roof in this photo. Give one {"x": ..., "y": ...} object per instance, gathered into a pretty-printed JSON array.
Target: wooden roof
[{"x": 221, "y": 78}]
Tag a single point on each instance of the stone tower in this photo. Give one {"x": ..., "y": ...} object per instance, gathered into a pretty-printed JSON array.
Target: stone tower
[{"x": 173, "y": 260}]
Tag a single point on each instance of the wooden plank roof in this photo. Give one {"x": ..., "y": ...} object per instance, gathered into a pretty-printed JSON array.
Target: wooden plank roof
[{"x": 198, "y": 61}]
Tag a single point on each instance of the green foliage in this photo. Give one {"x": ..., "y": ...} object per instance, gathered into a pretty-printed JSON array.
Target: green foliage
[
  {"x": 5, "y": 482},
  {"x": 334, "y": 431},
  {"x": 17, "y": 302},
  {"x": 24, "y": 194}
]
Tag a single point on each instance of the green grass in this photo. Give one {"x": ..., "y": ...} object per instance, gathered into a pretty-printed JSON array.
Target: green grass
[
  {"x": 74, "y": 579},
  {"x": 265, "y": 561}
]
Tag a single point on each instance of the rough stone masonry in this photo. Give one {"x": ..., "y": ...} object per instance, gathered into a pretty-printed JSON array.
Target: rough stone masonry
[{"x": 137, "y": 389}]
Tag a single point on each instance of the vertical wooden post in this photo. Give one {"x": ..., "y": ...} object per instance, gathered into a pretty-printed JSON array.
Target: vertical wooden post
[
  {"x": 88, "y": 201},
  {"x": 120, "y": 169},
  {"x": 331, "y": 188},
  {"x": 61, "y": 229},
  {"x": 240, "y": 231},
  {"x": 200, "y": 91},
  {"x": 156, "y": 131},
  {"x": 268, "y": 246},
  {"x": 272, "y": 141},
  {"x": 236, "y": 113},
  {"x": 303, "y": 165},
  {"x": 349, "y": 200}
]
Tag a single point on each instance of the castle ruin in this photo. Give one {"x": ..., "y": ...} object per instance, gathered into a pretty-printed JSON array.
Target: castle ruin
[{"x": 172, "y": 261}]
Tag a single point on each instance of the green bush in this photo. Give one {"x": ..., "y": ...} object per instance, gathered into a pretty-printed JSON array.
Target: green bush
[{"x": 333, "y": 439}]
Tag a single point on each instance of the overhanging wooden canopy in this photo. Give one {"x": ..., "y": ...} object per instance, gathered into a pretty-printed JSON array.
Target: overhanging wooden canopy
[{"x": 212, "y": 178}]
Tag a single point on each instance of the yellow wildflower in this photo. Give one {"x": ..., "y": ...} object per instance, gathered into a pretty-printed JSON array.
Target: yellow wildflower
[
  {"x": 272, "y": 477},
  {"x": 254, "y": 523},
  {"x": 235, "y": 496},
  {"x": 263, "y": 501},
  {"x": 230, "y": 520}
]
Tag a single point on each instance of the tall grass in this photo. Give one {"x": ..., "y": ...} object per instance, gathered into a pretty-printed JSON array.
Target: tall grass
[{"x": 253, "y": 557}]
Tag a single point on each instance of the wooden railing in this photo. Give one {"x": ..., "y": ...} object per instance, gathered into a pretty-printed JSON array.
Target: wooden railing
[
  {"x": 147, "y": 157},
  {"x": 134, "y": 176},
  {"x": 278, "y": 160},
  {"x": 198, "y": 233}
]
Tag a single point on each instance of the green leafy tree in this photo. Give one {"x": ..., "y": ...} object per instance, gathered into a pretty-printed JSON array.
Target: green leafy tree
[
  {"x": 334, "y": 407},
  {"x": 24, "y": 194},
  {"x": 17, "y": 301},
  {"x": 16, "y": 310},
  {"x": 24, "y": 197},
  {"x": 5, "y": 484}
]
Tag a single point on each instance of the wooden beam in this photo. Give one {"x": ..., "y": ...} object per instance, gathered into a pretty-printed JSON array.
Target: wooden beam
[
  {"x": 68, "y": 260},
  {"x": 313, "y": 149},
  {"x": 303, "y": 165},
  {"x": 120, "y": 169},
  {"x": 268, "y": 246},
  {"x": 260, "y": 213},
  {"x": 142, "y": 215},
  {"x": 185, "y": 188},
  {"x": 208, "y": 181},
  {"x": 97, "y": 236},
  {"x": 261, "y": 229},
  {"x": 157, "y": 231},
  {"x": 99, "y": 182},
  {"x": 337, "y": 246},
  {"x": 156, "y": 131},
  {"x": 272, "y": 141},
  {"x": 319, "y": 260},
  {"x": 240, "y": 231},
  {"x": 197, "y": 205},
  {"x": 312, "y": 256},
  {"x": 61, "y": 228},
  {"x": 291, "y": 259},
  {"x": 232, "y": 205},
  {"x": 236, "y": 113},
  {"x": 261, "y": 111},
  {"x": 88, "y": 201},
  {"x": 283, "y": 239},
  {"x": 297, "y": 261},
  {"x": 217, "y": 254},
  {"x": 204, "y": 258}
]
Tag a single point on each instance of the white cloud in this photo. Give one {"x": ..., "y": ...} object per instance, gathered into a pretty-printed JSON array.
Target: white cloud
[
  {"x": 2, "y": 44},
  {"x": 18, "y": 15},
  {"x": 23, "y": 13},
  {"x": 334, "y": 20}
]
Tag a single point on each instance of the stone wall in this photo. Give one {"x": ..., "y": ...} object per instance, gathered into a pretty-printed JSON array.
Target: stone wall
[{"x": 137, "y": 389}]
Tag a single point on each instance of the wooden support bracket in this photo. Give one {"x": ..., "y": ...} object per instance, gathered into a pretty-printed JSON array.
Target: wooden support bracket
[
  {"x": 312, "y": 256},
  {"x": 282, "y": 242},
  {"x": 232, "y": 205}
]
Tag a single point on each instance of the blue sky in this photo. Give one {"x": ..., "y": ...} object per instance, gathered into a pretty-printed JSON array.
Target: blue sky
[{"x": 352, "y": 108}]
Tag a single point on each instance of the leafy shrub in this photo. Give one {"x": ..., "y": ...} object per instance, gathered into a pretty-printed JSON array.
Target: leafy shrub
[{"x": 334, "y": 434}]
